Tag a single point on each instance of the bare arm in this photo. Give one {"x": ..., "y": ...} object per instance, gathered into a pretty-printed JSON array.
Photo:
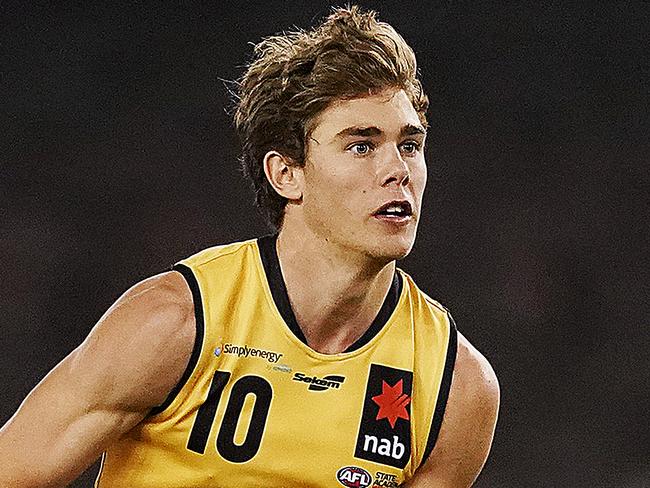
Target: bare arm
[
  {"x": 127, "y": 365},
  {"x": 468, "y": 425}
]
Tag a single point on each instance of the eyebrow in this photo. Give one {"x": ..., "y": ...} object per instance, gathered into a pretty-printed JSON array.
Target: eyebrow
[{"x": 407, "y": 130}]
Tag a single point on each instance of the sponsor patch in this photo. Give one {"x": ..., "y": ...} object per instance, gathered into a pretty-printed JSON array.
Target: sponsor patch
[
  {"x": 320, "y": 384},
  {"x": 385, "y": 480},
  {"x": 253, "y": 352},
  {"x": 282, "y": 368},
  {"x": 354, "y": 477},
  {"x": 385, "y": 430}
]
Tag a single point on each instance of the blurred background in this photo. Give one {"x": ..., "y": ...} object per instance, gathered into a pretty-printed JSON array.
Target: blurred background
[{"x": 118, "y": 158}]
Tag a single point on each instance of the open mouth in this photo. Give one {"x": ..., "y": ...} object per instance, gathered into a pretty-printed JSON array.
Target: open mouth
[{"x": 397, "y": 209}]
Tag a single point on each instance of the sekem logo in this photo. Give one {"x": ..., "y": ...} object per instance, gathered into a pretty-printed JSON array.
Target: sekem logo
[
  {"x": 320, "y": 384},
  {"x": 354, "y": 477}
]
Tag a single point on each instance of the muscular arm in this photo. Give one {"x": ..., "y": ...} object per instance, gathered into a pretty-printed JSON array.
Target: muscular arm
[
  {"x": 128, "y": 364},
  {"x": 468, "y": 425}
]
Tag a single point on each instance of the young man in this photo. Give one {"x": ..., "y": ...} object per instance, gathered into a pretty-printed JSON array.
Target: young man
[{"x": 300, "y": 359}]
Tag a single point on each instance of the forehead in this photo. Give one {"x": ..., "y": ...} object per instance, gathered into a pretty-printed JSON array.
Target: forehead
[{"x": 390, "y": 111}]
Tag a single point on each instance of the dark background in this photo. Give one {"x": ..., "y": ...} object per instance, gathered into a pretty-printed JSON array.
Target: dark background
[{"x": 117, "y": 158}]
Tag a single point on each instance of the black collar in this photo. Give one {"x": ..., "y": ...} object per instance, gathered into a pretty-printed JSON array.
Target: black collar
[{"x": 269, "y": 255}]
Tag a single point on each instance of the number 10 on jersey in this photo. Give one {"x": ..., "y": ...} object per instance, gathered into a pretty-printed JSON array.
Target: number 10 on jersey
[{"x": 205, "y": 417}]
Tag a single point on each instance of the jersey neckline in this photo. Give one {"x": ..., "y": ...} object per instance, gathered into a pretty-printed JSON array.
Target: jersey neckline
[{"x": 271, "y": 265}]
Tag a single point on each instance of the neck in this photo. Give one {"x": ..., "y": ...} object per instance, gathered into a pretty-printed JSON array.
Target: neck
[{"x": 335, "y": 294}]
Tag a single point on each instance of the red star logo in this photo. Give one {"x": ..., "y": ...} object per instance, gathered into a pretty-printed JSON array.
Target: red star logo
[{"x": 392, "y": 403}]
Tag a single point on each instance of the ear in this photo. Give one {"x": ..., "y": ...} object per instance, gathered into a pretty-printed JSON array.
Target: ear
[{"x": 284, "y": 175}]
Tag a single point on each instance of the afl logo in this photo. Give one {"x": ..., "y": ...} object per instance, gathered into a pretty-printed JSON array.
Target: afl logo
[{"x": 354, "y": 477}]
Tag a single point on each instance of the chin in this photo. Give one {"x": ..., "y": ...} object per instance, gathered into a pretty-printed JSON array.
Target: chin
[{"x": 393, "y": 248}]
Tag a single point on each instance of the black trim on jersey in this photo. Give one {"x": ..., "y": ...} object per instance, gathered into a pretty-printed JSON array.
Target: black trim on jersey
[
  {"x": 445, "y": 386},
  {"x": 386, "y": 310},
  {"x": 101, "y": 469},
  {"x": 271, "y": 263},
  {"x": 198, "y": 340}
]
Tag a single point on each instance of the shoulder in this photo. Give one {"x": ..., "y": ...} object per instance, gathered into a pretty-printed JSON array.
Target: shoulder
[
  {"x": 160, "y": 305},
  {"x": 473, "y": 399},
  {"x": 167, "y": 289},
  {"x": 210, "y": 254},
  {"x": 143, "y": 343},
  {"x": 474, "y": 376},
  {"x": 468, "y": 424}
]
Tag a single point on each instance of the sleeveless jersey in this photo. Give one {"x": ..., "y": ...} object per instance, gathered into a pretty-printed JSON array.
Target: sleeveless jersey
[{"x": 257, "y": 407}]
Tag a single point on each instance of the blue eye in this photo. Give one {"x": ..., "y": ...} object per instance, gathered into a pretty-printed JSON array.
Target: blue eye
[
  {"x": 410, "y": 147},
  {"x": 361, "y": 148}
]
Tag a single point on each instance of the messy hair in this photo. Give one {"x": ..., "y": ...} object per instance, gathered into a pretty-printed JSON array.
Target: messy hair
[{"x": 296, "y": 75}]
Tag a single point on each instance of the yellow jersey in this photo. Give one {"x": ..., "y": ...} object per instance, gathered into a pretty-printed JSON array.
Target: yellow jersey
[{"x": 257, "y": 407}]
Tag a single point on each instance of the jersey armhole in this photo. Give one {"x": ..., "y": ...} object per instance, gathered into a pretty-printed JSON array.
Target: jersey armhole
[
  {"x": 443, "y": 393},
  {"x": 198, "y": 340}
]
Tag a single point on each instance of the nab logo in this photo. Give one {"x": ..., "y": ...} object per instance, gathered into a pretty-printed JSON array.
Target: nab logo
[
  {"x": 320, "y": 384},
  {"x": 392, "y": 403},
  {"x": 385, "y": 447},
  {"x": 354, "y": 477},
  {"x": 385, "y": 432}
]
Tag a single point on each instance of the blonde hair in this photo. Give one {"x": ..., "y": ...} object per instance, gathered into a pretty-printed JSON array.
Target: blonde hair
[{"x": 295, "y": 76}]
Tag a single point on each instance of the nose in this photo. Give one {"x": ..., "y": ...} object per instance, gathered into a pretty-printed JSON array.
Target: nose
[{"x": 395, "y": 171}]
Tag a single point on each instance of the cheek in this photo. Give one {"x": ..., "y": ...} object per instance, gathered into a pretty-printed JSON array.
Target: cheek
[
  {"x": 334, "y": 183},
  {"x": 419, "y": 177},
  {"x": 335, "y": 200},
  {"x": 324, "y": 190}
]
